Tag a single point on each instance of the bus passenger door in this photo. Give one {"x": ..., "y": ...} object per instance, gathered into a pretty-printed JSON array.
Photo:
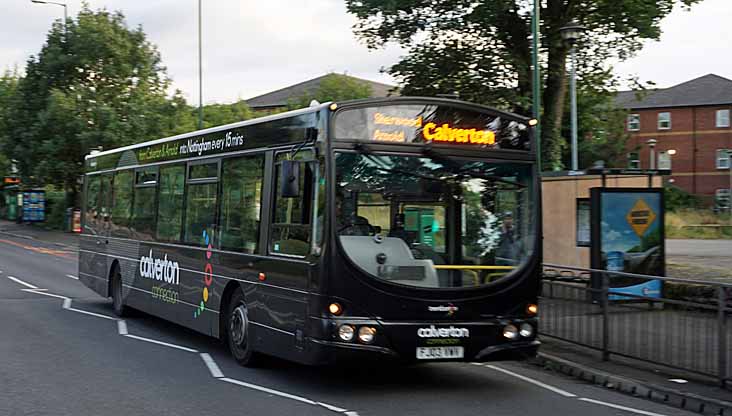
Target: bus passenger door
[{"x": 284, "y": 296}]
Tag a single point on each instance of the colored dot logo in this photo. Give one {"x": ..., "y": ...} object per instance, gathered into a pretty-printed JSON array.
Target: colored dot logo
[{"x": 207, "y": 275}]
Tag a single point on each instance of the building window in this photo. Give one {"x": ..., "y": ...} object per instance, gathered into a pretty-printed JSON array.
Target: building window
[
  {"x": 633, "y": 122},
  {"x": 633, "y": 160},
  {"x": 722, "y": 118},
  {"x": 723, "y": 156},
  {"x": 664, "y": 160},
  {"x": 721, "y": 199},
  {"x": 583, "y": 222},
  {"x": 664, "y": 121}
]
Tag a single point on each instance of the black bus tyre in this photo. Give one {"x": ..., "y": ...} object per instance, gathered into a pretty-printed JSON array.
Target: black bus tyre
[
  {"x": 118, "y": 304},
  {"x": 238, "y": 330}
]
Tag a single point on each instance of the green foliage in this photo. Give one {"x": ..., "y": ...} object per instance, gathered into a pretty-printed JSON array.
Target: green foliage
[
  {"x": 601, "y": 134},
  {"x": 55, "y": 209},
  {"x": 676, "y": 199},
  {"x": 333, "y": 87},
  {"x": 482, "y": 50},
  {"x": 220, "y": 114},
  {"x": 102, "y": 85}
]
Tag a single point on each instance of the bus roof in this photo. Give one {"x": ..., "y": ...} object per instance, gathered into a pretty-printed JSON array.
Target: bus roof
[{"x": 313, "y": 109}]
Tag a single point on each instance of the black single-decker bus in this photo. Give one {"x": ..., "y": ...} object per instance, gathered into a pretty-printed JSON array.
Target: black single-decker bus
[{"x": 403, "y": 228}]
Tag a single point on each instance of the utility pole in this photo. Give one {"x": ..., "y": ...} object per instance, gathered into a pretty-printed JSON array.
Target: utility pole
[
  {"x": 200, "y": 71},
  {"x": 536, "y": 85}
]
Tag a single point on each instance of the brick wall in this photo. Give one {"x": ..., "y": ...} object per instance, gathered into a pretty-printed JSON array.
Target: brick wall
[{"x": 694, "y": 172}]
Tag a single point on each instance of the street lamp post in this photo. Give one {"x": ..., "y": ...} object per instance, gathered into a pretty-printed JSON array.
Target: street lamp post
[
  {"x": 571, "y": 33},
  {"x": 652, "y": 145},
  {"x": 66, "y": 32}
]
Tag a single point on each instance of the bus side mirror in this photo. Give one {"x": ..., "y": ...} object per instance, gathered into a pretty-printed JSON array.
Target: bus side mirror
[{"x": 290, "y": 179}]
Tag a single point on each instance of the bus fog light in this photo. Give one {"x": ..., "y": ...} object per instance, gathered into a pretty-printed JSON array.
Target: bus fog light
[
  {"x": 510, "y": 331},
  {"x": 366, "y": 334},
  {"x": 346, "y": 332},
  {"x": 526, "y": 330}
]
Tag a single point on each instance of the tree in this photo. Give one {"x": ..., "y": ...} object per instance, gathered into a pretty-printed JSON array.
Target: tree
[
  {"x": 333, "y": 87},
  {"x": 220, "y": 114},
  {"x": 8, "y": 90},
  {"x": 100, "y": 85},
  {"x": 482, "y": 50}
]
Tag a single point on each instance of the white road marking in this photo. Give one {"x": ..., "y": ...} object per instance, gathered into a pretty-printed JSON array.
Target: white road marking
[
  {"x": 532, "y": 381},
  {"x": 122, "y": 327},
  {"x": 71, "y": 276},
  {"x": 98, "y": 315},
  {"x": 16, "y": 280},
  {"x": 617, "y": 406},
  {"x": 162, "y": 343},
  {"x": 267, "y": 390},
  {"x": 42, "y": 292},
  {"x": 212, "y": 366},
  {"x": 331, "y": 407},
  {"x": 678, "y": 380}
]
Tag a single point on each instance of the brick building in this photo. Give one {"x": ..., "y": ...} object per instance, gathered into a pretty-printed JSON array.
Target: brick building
[{"x": 692, "y": 119}]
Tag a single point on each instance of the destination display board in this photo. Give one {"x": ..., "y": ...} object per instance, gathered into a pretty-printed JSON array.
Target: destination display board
[{"x": 430, "y": 123}]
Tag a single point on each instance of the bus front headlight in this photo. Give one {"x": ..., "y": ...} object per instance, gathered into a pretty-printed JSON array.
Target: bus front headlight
[
  {"x": 366, "y": 334},
  {"x": 346, "y": 332},
  {"x": 510, "y": 331},
  {"x": 526, "y": 330}
]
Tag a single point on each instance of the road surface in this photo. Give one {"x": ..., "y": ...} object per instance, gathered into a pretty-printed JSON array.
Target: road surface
[{"x": 64, "y": 353}]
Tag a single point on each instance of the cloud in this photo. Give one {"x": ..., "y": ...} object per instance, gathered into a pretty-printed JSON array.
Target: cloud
[{"x": 247, "y": 49}]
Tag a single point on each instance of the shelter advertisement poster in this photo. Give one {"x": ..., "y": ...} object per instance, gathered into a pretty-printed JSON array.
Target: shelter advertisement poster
[{"x": 628, "y": 236}]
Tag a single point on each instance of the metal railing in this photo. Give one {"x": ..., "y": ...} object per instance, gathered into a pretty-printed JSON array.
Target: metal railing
[{"x": 687, "y": 327}]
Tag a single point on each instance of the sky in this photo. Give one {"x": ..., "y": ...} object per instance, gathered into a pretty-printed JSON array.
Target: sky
[{"x": 252, "y": 47}]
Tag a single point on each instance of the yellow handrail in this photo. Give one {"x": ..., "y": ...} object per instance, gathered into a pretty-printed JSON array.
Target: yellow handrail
[{"x": 471, "y": 267}]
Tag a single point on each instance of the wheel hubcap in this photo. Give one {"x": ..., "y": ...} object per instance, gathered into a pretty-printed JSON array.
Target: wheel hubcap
[{"x": 238, "y": 325}]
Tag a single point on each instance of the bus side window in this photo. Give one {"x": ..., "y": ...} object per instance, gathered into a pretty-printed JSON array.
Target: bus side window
[
  {"x": 241, "y": 203},
  {"x": 201, "y": 195},
  {"x": 91, "y": 216},
  {"x": 170, "y": 203},
  {"x": 122, "y": 205},
  {"x": 292, "y": 217},
  {"x": 143, "y": 207}
]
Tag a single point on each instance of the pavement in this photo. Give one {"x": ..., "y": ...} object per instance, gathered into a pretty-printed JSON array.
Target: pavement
[
  {"x": 713, "y": 255},
  {"x": 64, "y": 353}
]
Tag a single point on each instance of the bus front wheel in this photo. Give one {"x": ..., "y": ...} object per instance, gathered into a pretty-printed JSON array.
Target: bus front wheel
[
  {"x": 117, "y": 303},
  {"x": 238, "y": 330}
]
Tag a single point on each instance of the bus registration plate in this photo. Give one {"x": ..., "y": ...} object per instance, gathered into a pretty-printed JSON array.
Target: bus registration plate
[{"x": 439, "y": 353}]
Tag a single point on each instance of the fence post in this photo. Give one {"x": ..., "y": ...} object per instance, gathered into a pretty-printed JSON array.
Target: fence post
[
  {"x": 605, "y": 317},
  {"x": 722, "y": 335}
]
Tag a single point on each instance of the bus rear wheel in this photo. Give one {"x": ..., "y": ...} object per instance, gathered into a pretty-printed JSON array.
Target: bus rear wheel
[
  {"x": 238, "y": 330},
  {"x": 118, "y": 304}
]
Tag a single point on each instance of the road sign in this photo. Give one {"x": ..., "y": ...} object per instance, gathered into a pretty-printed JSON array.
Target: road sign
[{"x": 640, "y": 217}]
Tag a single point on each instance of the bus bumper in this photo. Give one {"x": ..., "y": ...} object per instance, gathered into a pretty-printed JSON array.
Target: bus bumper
[{"x": 339, "y": 353}]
